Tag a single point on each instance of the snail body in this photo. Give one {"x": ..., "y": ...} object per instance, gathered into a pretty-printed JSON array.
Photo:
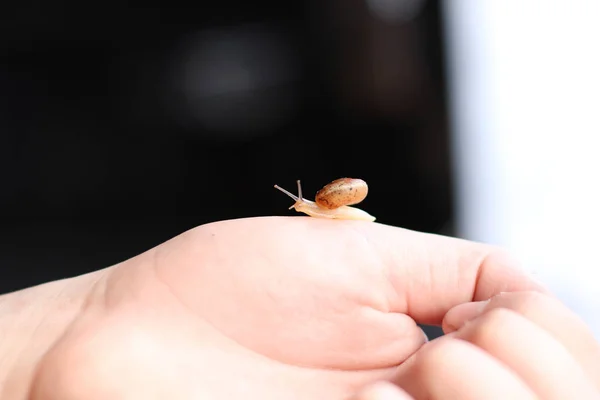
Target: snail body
[{"x": 333, "y": 201}]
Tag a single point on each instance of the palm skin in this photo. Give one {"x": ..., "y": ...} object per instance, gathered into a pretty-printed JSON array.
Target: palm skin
[{"x": 269, "y": 308}]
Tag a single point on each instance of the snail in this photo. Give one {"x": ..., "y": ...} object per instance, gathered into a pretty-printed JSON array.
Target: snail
[{"x": 333, "y": 200}]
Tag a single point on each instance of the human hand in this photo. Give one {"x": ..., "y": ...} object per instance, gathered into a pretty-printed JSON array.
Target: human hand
[
  {"x": 521, "y": 346},
  {"x": 272, "y": 308}
]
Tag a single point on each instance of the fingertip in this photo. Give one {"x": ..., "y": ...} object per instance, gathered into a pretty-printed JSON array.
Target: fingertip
[{"x": 499, "y": 272}]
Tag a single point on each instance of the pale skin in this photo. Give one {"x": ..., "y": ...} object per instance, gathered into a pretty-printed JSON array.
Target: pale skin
[{"x": 297, "y": 308}]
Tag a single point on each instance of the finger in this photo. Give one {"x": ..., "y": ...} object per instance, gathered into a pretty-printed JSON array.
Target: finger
[
  {"x": 453, "y": 369},
  {"x": 426, "y": 274},
  {"x": 549, "y": 314},
  {"x": 437, "y": 273},
  {"x": 382, "y": 391},
  {"x": 538, "y": 358}
]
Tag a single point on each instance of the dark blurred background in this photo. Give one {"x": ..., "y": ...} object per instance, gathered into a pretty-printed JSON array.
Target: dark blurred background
[{"x": 121, "y": 127}]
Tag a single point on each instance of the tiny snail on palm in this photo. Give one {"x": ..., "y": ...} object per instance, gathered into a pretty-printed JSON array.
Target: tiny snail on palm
[{"x": 333, "y": 200}]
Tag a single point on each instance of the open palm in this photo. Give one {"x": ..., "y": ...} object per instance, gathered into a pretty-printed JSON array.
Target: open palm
[{"x": 272, "y": 308}]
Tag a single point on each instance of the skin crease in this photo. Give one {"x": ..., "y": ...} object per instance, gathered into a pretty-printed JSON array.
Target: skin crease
[{"x": 275, "y": 307}]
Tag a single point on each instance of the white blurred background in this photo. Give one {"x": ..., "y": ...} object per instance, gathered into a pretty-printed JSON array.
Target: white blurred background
[{"x": 525, "y": 104}]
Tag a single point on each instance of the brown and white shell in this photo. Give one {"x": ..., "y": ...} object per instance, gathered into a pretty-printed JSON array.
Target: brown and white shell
[{"x": 342, "y": 192}]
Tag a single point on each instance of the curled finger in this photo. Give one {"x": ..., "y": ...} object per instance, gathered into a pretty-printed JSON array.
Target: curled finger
[
  {"x": 448, "y": 368},
  {"x": 548, "y": 313},
  {"x": 538, "y": 358}
]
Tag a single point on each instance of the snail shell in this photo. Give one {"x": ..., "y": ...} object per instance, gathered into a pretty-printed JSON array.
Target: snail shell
[{"x": 342, "y": 192}]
